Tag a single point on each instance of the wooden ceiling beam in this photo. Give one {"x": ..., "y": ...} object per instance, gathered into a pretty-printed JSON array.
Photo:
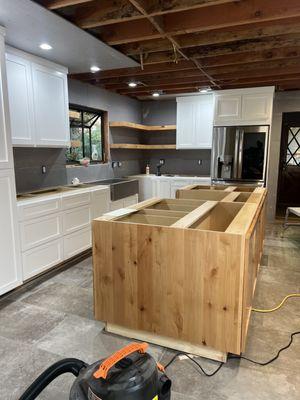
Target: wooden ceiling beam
[
  {"x": 213, "y": 17},
  {"x": 119, "y": 11},
  {"x": 106, "y": 12},
  {"x": 57, "y": 4},
  {"x": 226, "y": 49},
  {"x": 217, "y": 36}
]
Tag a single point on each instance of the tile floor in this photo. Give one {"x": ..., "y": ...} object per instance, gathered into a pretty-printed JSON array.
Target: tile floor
[{"x": 52, "y": 318}]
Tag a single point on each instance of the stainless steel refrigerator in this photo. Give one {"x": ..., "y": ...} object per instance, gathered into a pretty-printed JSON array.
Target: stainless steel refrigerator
[{"x": 239, "y": 154}]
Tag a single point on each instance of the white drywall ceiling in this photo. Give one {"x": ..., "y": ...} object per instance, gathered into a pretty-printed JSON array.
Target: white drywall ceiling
[{"x": 28, "y": 25}]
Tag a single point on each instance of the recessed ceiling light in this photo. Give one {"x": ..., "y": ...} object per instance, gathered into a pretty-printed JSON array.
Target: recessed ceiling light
[
  {"x": 94, "y": 68},
  {"x": 156, "y": 94},
  {"x": 205, "y": 90},
  {"x": 132, "y": 84},
  {"x": 45, "y": 46}
]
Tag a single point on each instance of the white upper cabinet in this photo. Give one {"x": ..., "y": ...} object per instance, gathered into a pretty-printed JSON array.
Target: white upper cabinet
[
  {"x": 51, "y": 116},
  {"x": 38, "y": 99},
  {"x": 244, "y": 106},
  {"x": 20, "y": 99},
  {"x": 194, "y": 122}
]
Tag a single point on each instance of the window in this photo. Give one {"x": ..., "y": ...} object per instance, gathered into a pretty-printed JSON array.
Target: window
[{"x": 86, "y": 134}]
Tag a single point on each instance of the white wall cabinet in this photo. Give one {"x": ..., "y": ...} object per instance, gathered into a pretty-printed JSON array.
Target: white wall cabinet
[
  {"x": 194, "y": 122},
  {"x": 19, "y": 82},
  {"x": 50, "y": 97},
  {"x": 244, "y": 106},
  {"x": 38, "y": 99}
]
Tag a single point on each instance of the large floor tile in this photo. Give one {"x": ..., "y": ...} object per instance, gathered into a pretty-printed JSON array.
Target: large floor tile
[
  {"x": 26, "y": 322},
  {"x": 64, "y": 298}
]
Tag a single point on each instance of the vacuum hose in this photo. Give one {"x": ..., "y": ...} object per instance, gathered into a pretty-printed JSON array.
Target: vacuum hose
[{"x": 61, "y": 367}]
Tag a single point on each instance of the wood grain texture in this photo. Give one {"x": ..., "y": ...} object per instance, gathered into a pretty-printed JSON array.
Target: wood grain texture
[
  {"x": 140, "y": 127},
  {"x": 171, "y": 282}
]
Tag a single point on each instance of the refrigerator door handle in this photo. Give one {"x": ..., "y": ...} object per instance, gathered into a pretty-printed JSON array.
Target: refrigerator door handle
[
  {"x": 240, "y": 153},
  {"x": 236, "y": 154}
]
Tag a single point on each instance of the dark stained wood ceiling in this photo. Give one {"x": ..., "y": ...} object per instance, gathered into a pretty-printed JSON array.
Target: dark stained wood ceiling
[{"x": 185, "y": 45}]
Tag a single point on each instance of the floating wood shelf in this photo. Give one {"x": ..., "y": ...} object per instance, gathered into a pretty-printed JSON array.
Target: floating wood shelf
[
  {"x": 140, "y": 127},
  {"x": 143, "y": 146}
]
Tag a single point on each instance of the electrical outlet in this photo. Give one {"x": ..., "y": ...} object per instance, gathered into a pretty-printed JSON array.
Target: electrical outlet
[
  {"x": 119, "y": 164},
  {"x": 162, "y": 161},
  {"x": 44, "y": 169},
  {"x": 199, "y": 162},
  {"x": 114, "y": 164}
]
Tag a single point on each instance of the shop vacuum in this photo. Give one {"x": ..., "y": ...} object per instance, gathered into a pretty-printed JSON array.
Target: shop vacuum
[{"x": 129, "y": 374}]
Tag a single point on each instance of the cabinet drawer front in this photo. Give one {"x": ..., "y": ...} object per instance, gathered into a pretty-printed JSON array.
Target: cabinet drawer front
[
  {"x": 75, "y": 200},
  {"x": 41, "y": 258},
  {"x": 77, "y": 218},
  {"x": 38, "y": 209},
  {"x": 39, "y": 231},
  {"x": 77, "y": 242}
]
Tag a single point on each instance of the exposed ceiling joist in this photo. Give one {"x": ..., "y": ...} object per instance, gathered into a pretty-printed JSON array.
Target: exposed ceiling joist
[
  {"x": 56, "y": 4},
  {"x": 211, "y": 18},
  {"x": 213, "y": 37}
]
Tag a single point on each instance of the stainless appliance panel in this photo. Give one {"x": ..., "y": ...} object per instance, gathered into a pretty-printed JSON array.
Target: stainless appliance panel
[{"x": 239, "y": 154}]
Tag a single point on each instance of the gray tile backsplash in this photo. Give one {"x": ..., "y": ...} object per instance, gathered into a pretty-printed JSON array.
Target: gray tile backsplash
[{"x": 28, "y": 168}]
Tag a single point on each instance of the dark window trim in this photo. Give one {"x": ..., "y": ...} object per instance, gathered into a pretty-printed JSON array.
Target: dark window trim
[{"x": 103, "y": 114}]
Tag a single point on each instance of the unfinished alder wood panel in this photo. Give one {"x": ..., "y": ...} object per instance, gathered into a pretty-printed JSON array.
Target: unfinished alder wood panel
[
  {"x": 253, "y": 254},
  {"x": 205, "y": 194},
  {"x": 179, "y": 283},
  {"x": 219, "y": 218}
]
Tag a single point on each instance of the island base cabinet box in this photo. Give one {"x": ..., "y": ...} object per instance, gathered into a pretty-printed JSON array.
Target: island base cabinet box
[
  {"x": 41, "y": 258},
  {"x": 77, "y": 242},
  {"x": 183, "y": 269}
]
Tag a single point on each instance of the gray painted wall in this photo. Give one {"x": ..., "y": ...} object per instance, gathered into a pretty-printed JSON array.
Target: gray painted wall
[
  {"x": 177, "y": 161},
  {"x": 283, "y": 102}
]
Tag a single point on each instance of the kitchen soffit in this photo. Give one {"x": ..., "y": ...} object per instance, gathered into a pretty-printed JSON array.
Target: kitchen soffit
[{"x": 28, "y": 25}]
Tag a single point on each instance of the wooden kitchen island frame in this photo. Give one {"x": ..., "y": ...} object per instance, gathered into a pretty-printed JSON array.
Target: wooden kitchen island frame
[{"x": 181, "y": 272}]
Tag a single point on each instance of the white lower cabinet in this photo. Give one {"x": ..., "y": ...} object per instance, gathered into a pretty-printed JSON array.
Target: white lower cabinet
[
  {"x": 56, "y": 228},
  {"x": 10, "y": 269},
  {"x": 76, "y": 218},
  {"x": 40, "y": 230},
  {"x": 162, "y": 187},
  {"x": 41, "y": 258},
  {"x": 123, "y": 203},
  {"x": 77, "y": 242}
]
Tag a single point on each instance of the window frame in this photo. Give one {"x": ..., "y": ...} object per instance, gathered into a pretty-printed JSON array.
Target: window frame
[{"x": 104, "y": 132}]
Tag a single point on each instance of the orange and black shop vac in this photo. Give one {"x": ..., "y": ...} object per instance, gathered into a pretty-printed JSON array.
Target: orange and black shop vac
[{"x": 129, "y": 374}]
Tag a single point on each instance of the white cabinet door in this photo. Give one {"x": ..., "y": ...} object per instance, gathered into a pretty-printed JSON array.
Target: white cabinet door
[
  {"x": 130, "y": 201},
  {"x": 5, "y": 139},
  {"x": 162, "y": 188},
  {"x": 145, "y": 188},
  {"x": 185, "y": 124},
  {"x": 20, "y": 94},
  {"x": 194, "y": 122},
  {"x": 227, "y": 109},
  {"x": 256, "y": 107},
  {"x": 50, "y": 95},
  {"x": 100, "y": 202},
  {"x": 10, "y": 271},
  {"x": 77, "y": 242},
  {"x": 178, "y": 184},
  {"x": 204, "y": 116}
]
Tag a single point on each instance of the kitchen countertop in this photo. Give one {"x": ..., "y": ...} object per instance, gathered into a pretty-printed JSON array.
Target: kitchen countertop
[{"x": 171, "y": 176}]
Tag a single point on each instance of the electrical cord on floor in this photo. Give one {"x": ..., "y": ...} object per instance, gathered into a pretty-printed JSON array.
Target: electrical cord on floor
[
  {"x": 231, "y": 357},
  {"x": 279, "y": 305}
]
